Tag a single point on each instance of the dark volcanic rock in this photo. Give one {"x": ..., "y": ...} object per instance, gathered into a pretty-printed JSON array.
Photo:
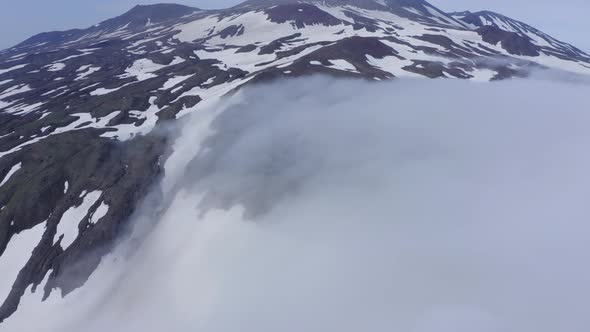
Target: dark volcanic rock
[
  {"x": 275, "y": 45},
  {"x": 511, "y": 42},
  {"x": 151, "y": 14},
  {"x": 123, "y": 171},
  {"x": 300, "y": 15}
]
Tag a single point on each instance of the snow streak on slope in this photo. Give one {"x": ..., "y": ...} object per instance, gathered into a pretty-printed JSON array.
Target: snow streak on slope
[
  {"x": 10, "y": 173},
  {"x": 363, "y": 207},
  {"x": 16, "y": 255}
]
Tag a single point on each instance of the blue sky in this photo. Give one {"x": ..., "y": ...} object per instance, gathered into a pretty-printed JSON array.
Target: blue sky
[{"x": 19, "y": 19}]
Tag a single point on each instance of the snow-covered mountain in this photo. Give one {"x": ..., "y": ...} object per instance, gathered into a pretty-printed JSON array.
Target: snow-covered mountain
[{"x": 78, "y": 108}]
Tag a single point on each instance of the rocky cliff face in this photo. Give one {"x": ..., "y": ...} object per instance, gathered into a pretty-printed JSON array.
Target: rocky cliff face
[{"x": 78, "y": 108}]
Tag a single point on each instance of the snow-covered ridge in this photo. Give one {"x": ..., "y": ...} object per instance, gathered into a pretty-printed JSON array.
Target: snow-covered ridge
[{"x": 539, "y": 38}]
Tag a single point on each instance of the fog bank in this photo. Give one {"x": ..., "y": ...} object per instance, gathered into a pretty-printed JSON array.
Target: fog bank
[{"x": 334, "y": 205}]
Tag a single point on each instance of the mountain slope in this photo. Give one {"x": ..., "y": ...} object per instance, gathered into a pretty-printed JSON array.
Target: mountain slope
[
  {"x": 78, "y": 150},
  {"x": 544, "y": 42}
]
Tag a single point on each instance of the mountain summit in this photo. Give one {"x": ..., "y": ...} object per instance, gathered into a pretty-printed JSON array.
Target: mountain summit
[
  {"x": 78, "y": 108},
  {"x": 144, "y": 15}
]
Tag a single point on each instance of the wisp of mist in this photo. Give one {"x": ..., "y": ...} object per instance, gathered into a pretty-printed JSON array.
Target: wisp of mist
[{"x": 333, "y": 205}]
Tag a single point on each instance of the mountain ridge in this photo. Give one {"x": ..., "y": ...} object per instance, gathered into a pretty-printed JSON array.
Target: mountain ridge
[
  {"x": 490, "y": 18},
  {"x": 137, "y": 15},
  {"x": 462, "y": 16}
]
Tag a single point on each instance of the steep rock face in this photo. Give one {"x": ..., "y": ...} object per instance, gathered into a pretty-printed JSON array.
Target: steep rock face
[
  {"x": 78, "y": 109},
  {"x": 512, "y": 42},
  {"x": 61, "y": 173}
]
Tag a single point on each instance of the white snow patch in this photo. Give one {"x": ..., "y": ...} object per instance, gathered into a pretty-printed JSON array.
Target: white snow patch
[
  {"x": 56, "y": 66},
  {"x": 413, "y": 11},
  {"x": 53, "y": 91},
  {"x": 68, "y": 225},
  {"x": 285, "y": 65},
  {"x": 391, "y": 65},
  {"x": 343, "y": 65},
  {"x": 74, "y": 56},
  {"x": 176, "y": 61},
  {"x": 16, "y": 255},
  {"x": 15, "y": 90},
  {"x": 4, "y": 104},
  {"x": 2, "y": 71},
  {"x": 14, "y": 57},
  {"x": 483, "y": 75},
  {"x": 83, "y": 118},
  {"x": 104, "y": 91},
  {"x": 142, "y": 41},
  {"x": 196, "y": 29},
  {"x": 10, "y": 173},
  {"x": 100, "y": 212},
  {"x": 142, "y": 70},
  {"x": 128, "y": 131},
  {"x": 86, "y": 71},
  {"x": 172, "y": 82},
  {"x": 26, "y": 109},
  {"x": 177, "y": 89},
  {"x": 209, "y": 81}
]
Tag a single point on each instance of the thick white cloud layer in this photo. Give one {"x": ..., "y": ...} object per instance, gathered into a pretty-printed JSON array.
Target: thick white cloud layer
[{"x": 419, "y": 206}]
